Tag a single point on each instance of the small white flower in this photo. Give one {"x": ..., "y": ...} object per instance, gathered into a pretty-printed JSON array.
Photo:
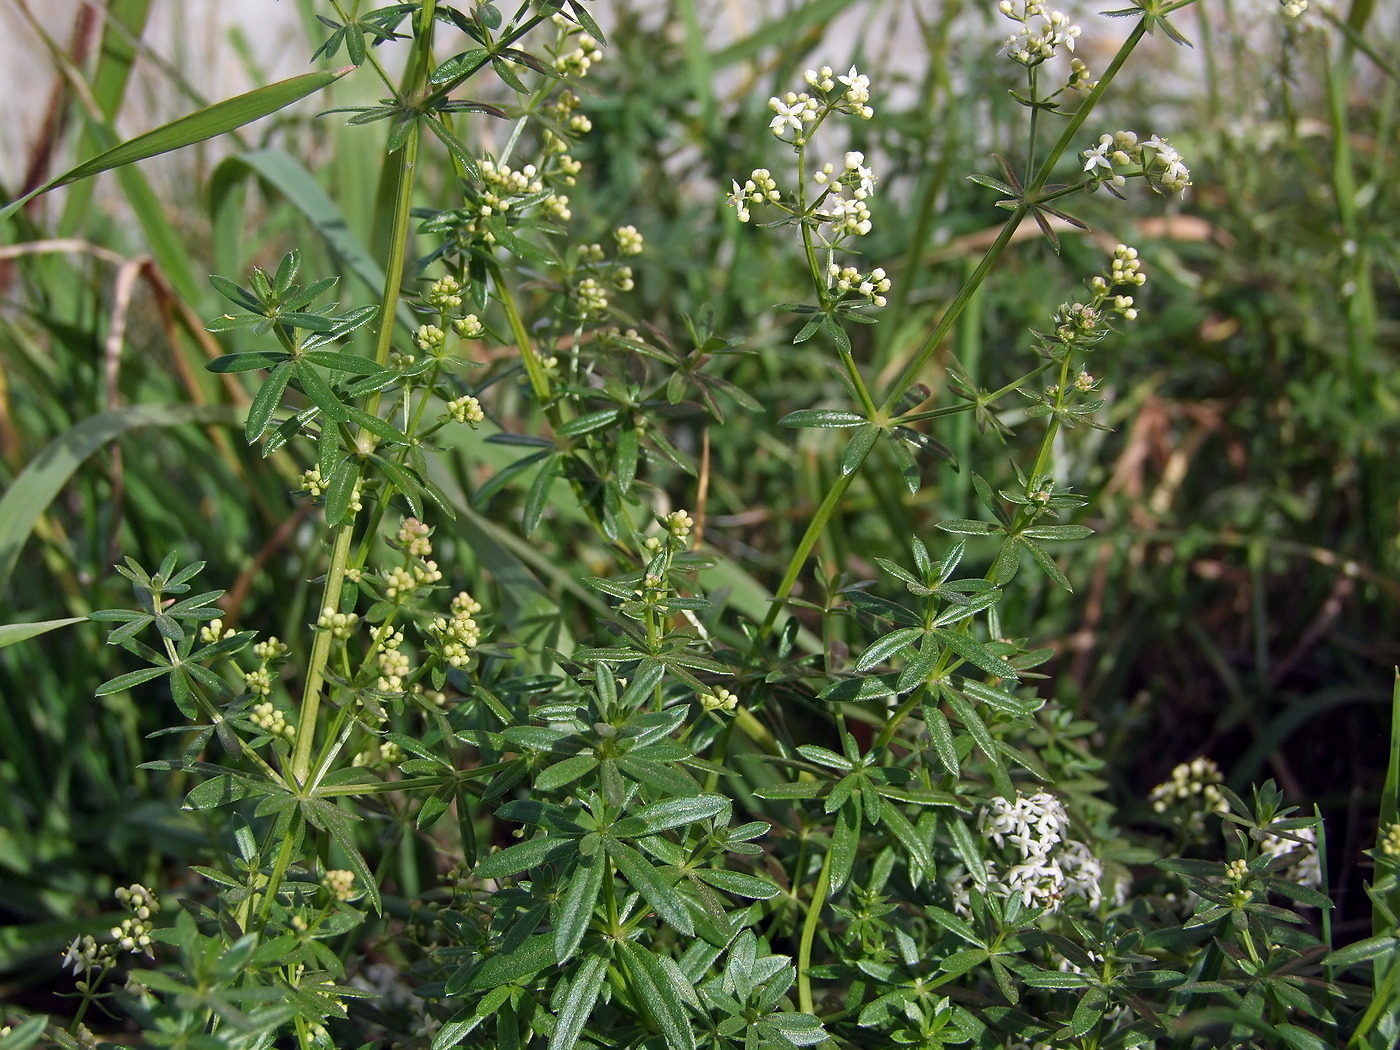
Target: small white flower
[{"x": 789, "y": 117}]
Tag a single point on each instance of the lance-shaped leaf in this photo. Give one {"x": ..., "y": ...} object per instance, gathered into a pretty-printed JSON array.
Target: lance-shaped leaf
[{"x": 199, "y": 126}]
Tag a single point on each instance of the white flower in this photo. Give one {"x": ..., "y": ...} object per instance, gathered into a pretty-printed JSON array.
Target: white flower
[
  {"x": 1098, "y": 156},
  {"x": 789, "y": 117}
]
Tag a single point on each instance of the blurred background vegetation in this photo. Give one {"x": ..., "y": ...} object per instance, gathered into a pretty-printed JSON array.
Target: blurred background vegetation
[{"x": 1239, "y": 598}]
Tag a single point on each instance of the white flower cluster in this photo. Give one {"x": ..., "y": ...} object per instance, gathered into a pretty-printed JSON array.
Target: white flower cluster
[
  {"x": 856, "y": 175},
  {"x": 341, "y": 884},
  {"x": 272, "y": 721},
  {"x": 503, "y": 183},
  {"x": 629, "y": 241},
  {"x": 430, "y": 339},
  {"x": 795, "y": 110},
  {"x": 1194, "y": 786},
  {"x": 214, "y": 631},
  {"x": 458, "y": 634},
  {"x": 1124, "y": 270},
  {"x": 132, "y": 935},
  {"x": 577, "y": 62},
  {"x": 1306, "y": 868},
  {"x": 1041, "y": 31},
  {"x": 258, "y": 682},
  {"x": 872, "y": 286},
  {"x": 393, "y": 664},
  {"x": 415, "y": 538},
  {"x": 468, "y": 327},
  {"x": 719, "y": 699},
  {"x": 444, "y": 294},
  {"x": 760, "y": 188},
  {"x": 1293, "y": 8},
  {"x": 1049, "y": 867},
  {"x": 379, "y": 756},
  {"x": 679, "y": 523},
  {"x": 341, "y": 625},
  {"x": 592, "y": 296},
  {"x": 466, "y": 409},
  {"x": 1156, "y": 160}
]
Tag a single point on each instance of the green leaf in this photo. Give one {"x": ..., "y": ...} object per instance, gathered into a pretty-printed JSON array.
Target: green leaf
[
  {"x": 975, "y": 653},
  {"x": 576, "y": 906},
  {"x": 844, "y": 841},
  {"x": 586, "y": 424},
  {"x": 25, "y": 1034},
  {"x": 677, "y": 812},
  {"x": 821, "y": 417},
  {"x": 247, "y": 362},
  {"x": 968, "y": 527},
  {"x": 880, "y": 650},
  {"x": 524, "y": 855},
  {"x": 578, "y": 1003},
  {"x": 11, "y": 633},
  {"x": 738, "y": 883},
  {"x": 868, "y": 688},
  {"x": 1047, "y": 564},
  {"x": 862, "y": 441},
  {"x": 266, "y": 400},
  {"x": 1058, "y": 532},
  {"x": 331, "y": 818},
  {"x": 557, "y": 774},
  {"x": 655, "y": 890},
  {"x": 506, "y": 967},
  {"x": 662, "y": 993},
  {"x": 126, "y": 681},
  {"x": 204, "y": 124},
  {"x": 319, "y": 392}
]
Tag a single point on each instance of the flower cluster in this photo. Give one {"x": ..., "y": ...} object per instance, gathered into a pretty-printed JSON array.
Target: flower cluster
[
  {"x": 871, "y": 287},
  {"x": 1390, "y": 843},
  {"x": 133, "y": 934},
  {"x": 393, "y": 664},
  {"x": 341, "y": 884},
  {"x": 578, "y": 59},
  {"x": 1041, "y": 31},
  {"x": 214, "y": 631},
  {"x": 379, "y": 755},
  {"x": 415, "y": 538},
  {"x": 1155, "y": 160},
  {"x": 272, "y": 721},
  {"x": 1047, "y": 866},
  {"x": 1195, "y": 783},
  {"x": 459, "y": 634},
  {"x": 466, "y": 409},
  {"x": 759, "y": 188},
  {"x": 679, "y": 523},
  {"x": 1306, "y": 866},
  {"x": 444, "y": 294},
  {"x": 795, "y": 111},
  {"x": 719, "y": 699},
  {"x": 1293, "y": 8},
  {"x": 341, "y": 625},
  {"x": 629, "y": 241}
]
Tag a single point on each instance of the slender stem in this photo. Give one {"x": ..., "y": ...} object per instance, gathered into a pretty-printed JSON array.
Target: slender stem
[
  {"x": 950, "y": 316},
  {"x": 279, "y": 869},
  {"x": 341, "y": 534},
  {"x": 809, "y": 933},
  {"x": 804, "y": 547},
  {"x": 320, "y": 654}
]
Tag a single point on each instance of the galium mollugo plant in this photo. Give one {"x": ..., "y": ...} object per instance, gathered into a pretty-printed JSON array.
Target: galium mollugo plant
[{"x": 636, "y": 842}]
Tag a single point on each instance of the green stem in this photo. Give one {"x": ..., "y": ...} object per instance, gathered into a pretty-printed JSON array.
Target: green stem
[
  {"x": 809, "y": 933},
  {"x": 341, "y": 534}
]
